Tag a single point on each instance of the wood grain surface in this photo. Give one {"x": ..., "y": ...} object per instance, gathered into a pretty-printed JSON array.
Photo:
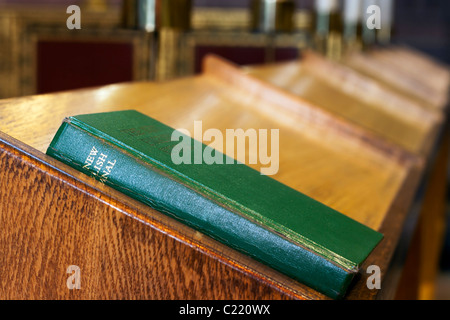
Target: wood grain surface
[
  {"x": 54, "y": 216},
  {"x": 52, "y": 219},
  {"x": 356, "y": 97}
]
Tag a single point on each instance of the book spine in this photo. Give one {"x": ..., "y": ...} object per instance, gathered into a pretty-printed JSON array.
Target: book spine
[{"x": 138, "y": 179}]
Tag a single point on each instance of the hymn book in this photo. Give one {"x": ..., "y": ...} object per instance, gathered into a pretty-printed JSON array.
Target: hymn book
[{"x": 233, "y": 204}]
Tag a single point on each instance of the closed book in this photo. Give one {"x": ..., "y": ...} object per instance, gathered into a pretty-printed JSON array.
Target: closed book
[{"x": 232, "y": 203}]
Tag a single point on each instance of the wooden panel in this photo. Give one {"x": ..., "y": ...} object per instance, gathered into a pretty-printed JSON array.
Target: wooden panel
[
  {"x": 419, "y": 277},
  {"x": 432, "y": 224},
  {"x": 20, "y": 22},
  {"x": 51, "y": 220},
  {"x": 336, "y": 161}
]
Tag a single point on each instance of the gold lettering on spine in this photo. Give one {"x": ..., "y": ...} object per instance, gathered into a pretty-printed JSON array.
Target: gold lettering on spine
[{"x": 98, "y": 165}]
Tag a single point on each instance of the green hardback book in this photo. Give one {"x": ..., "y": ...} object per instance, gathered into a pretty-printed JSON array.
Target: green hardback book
[{"x": 234, "y": 204}]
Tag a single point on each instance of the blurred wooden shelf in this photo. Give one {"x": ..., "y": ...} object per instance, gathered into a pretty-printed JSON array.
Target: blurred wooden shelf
[
  {"x": 52, "y": 216},
  {"x": 406, "y": 71},
  {"x": 358, "y": 98}
]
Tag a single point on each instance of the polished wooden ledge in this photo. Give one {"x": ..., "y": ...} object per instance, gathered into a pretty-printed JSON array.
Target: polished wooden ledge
[{"x": 52, "y": 216}]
